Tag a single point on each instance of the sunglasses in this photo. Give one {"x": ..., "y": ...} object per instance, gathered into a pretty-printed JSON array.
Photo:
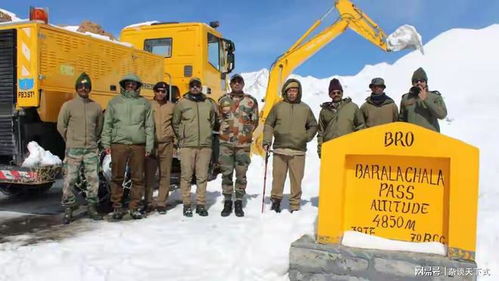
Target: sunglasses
[
  {"x": 237, "y": 81},
  {"x": 336, "y": 92},
  {"x": 196, "y": 86},
  {"x": 161, "y": 91},
  {"x": 83, "y": 85},
  {"x": 416, "y": 81}
]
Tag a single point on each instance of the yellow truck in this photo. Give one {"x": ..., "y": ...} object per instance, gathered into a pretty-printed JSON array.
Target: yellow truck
[{"x": 39, "y": 63}]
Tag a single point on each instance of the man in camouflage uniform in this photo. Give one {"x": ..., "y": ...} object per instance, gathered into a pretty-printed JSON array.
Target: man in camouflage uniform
[
  {"x": 421, "y": 106},
  {"x": 338, "y": 117},
  {"x": 239, "y": 118},
  {"x": 80, "y": 124},
  {"x": 379, "y": 108}
]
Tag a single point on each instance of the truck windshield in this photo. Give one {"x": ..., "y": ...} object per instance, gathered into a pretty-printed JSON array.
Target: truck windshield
[{"x": 214, "y": 51}]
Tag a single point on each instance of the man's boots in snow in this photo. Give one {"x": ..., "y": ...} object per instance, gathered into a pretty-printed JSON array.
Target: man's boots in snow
[
  {"x": 135, "y": 214},
  {"x": 227, "y": 208},
  {"x": 68, "y": 215},
  {"x": 92, "y": 212},
  {"x": 187, "y": 211},
  {"x": 200, "y": 210},
  {"x": 238, "y": 208},
  {"x": 118, "y": 214},
  {"x": 276, "y": 205}
]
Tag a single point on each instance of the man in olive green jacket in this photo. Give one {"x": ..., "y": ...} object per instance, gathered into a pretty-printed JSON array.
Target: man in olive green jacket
[
  {"x": 421, "y": 106},
  {"x": 128, "y": 135},
  {"x": 80, "y": 125},
  {"x": 338, "y": 117},
  {"x": 379, "y": 108},
  {"x": 162, "y": 155},
  {"x": 292, "y": 124},
  {"x": 193, "y": 121}
]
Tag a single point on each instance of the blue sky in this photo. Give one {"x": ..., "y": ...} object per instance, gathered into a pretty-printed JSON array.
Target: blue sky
[{"x": 262, "y": 30}]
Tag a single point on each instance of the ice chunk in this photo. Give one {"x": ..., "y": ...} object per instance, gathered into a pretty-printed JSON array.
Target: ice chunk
[
  {"x": 40, "y": 157},
  {"x": 405, "y": 37}
]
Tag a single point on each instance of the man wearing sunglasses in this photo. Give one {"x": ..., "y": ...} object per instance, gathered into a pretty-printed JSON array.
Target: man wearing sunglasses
[
  {"x": 379, "y": 108},
  {"x": 421, "y": 106},
  {"x": 194, "y": 118},
  {"x": 338, "y": 117},
  {"x": 80, "y": 124},
  {"x": 128, "y": 135},
  {"x": 239, "y": 119},
  {"x": 162, "y": 109}
]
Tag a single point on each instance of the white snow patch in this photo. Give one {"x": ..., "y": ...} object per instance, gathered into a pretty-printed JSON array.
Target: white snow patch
[
  {"x": 141, "y": 24},
  {"x": 12, "y": 15},
  {"x": 366, "y": 241},
  {"x": 40, "y": 157}
]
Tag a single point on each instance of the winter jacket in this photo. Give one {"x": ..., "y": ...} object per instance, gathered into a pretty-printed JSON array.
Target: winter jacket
[
  {"x": 194, "y": 118},
  {"x": 424, "y": 113},
  {"x": 239, "y": 118},
  {"x": 378, "y": 110},
  {"x": 128, "y": 119},
  {"x": 338, "y": 119},
  {"x": 80, "y": 122},
  {"x": 162, "y": 115},
  {"x": 291, "y": 123}
]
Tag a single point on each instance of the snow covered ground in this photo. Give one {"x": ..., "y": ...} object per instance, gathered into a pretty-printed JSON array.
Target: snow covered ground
[{"x": 462, "y": 64}]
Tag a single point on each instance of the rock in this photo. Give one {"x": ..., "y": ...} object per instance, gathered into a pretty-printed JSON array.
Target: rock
[
  {"x": 88, "y": 26},
  {"x": 4, "y": 17}
]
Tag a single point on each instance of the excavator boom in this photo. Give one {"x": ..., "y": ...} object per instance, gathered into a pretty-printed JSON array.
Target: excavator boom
[{"x": 349, "y": 17}]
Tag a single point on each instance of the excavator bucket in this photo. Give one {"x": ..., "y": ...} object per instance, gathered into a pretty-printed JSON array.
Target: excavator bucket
[{"x": 405, "y": 37}]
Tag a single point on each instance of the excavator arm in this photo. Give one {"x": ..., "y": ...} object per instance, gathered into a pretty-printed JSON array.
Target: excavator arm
[{"x": 349, "y": 17}]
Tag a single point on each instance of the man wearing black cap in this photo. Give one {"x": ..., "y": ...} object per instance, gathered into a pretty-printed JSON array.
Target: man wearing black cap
[
  {"x": 379, "y": 108},
  {"x": 80, "y": 125},
  {"x": 338, "y": 117},
  {"x": 421, "y": 106},
  {"x": 162, "y": 154},
  {"x": 193, "y": 121},
  {"x": 128, "y": 135},
  {"x": 239, "y": 118}
]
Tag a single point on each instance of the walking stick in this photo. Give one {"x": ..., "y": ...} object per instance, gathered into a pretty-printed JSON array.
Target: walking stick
[{"x": 267, "y": 154}]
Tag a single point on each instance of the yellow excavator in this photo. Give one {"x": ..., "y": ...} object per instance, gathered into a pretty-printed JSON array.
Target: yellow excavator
[{"x": 349, "y": 17}]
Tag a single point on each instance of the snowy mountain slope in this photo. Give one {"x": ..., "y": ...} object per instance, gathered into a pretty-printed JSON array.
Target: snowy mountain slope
[{"x": 461, "y": 64}]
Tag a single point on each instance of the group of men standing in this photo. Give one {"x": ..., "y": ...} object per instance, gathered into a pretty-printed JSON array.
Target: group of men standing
[{"x": 142, "y": 135}]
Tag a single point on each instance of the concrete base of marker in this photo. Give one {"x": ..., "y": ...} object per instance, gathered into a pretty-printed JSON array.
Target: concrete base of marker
[{"x": 310, "y": 261}]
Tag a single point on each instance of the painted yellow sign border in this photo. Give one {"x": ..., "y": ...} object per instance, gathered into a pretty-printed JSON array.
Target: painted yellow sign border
[{"x": 463, "y": 170}]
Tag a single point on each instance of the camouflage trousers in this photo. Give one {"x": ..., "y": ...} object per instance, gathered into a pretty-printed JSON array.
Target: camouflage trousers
[
  {"x": 75, "y": 159},
  {"x": 234, "y": 158}
]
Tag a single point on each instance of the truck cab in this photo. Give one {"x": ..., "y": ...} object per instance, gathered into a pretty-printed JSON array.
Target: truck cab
[{"x": 189, "y": 50}]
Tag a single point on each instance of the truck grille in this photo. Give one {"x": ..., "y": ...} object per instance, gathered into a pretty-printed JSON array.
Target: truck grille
[{"x": 8, "y": 89}]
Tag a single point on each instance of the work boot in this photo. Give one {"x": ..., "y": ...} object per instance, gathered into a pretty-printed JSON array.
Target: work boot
[
  {"x": 227, "y": 208},
  {"x": 276, "y": 205},
  {"x": 135, "y": 214},
  {"x": 161, "y": 210},
  {"x": 238, "y": 208},
  {"x": 92, "y": 212},
  {"x": 187, "y": 211},
  {"x": 117, "y": 214},
  {"x": 68, "y": 215},
  {"x": 200, "y": 210}
]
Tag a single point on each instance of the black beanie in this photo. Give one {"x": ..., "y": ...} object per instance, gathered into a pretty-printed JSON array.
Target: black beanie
[
  {"x": 335, "y": 85},
  {"x": 83, "y": 79}
]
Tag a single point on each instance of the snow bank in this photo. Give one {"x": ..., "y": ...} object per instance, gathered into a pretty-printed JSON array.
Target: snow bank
[
  {"x": 40, "y": 157},
  {"x": 12, "y": 15},
  {"x": 366, "y": 241}
]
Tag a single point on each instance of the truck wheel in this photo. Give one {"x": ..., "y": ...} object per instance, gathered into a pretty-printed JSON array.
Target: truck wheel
[{"x": 10, "y": 190}]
